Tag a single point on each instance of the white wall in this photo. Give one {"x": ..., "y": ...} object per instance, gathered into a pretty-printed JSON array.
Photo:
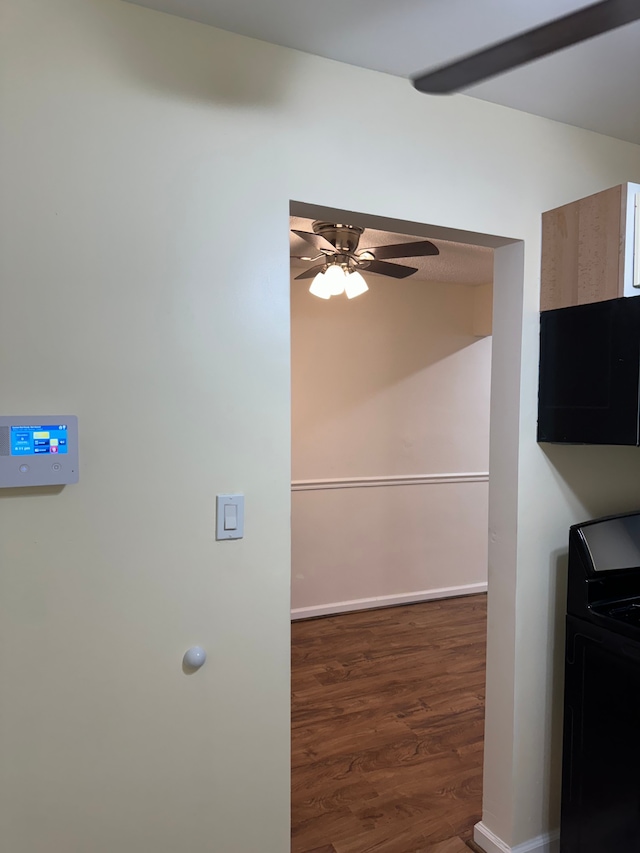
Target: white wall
[
  {"x": 390, "y": 384},
  {"x": 138, "y": 152}
]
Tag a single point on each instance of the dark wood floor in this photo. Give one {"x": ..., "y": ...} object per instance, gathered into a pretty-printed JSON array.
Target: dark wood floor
[{"x": 388, "y": 718}]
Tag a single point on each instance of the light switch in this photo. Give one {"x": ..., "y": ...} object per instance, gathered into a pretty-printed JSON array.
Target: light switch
[{"x": 229, "y": 516}]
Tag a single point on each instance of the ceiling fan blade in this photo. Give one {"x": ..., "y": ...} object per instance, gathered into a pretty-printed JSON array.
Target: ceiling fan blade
[
  {"x": 532, "y": 44},
  {"x": 315, "y": 240},
  {"x": 392, "y": 270},
  {"x": 405, "y": 250},
  {"x": 312, "y": 272}
]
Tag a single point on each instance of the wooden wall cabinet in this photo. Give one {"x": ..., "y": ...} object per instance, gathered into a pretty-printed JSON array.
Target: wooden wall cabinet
[{"x": 591, "y": 249}]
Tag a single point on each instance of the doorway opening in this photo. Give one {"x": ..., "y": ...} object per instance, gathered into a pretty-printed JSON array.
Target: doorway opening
[{"x": 390, "y": 493}]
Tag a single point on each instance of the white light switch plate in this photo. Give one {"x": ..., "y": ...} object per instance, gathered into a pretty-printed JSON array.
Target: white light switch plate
[{"x": 223, "y": 501}]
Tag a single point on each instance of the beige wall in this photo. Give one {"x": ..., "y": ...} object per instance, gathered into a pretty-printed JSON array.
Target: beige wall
[
  {"x": 141, "y": 156},
  {"x": 390, "y": 384}
]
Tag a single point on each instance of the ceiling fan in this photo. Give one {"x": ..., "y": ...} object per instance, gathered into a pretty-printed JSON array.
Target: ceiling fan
[
  {"x": 533, "y": 44},
  {"x": 338, "y": 272}
]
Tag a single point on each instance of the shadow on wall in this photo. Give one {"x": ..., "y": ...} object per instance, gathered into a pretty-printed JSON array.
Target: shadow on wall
[
  {"x": 555, "y": 665},
  {"x": 330, "y": 33},
  {"x": 31, "y": 491},
  {"x": 181, "y": 58},
  {"x": 581, "y": 470}
]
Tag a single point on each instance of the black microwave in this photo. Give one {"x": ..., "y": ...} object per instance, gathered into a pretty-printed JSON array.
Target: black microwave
[{"x": 590, "y": 373}]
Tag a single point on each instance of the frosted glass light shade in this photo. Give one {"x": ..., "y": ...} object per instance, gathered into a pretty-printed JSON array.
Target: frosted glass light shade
[
  {"x": 330, "y": 282},
  {"x": 336, "y": 279},
  {"x": 355, "y": 284},
  {"x": 320, "y": 287}
]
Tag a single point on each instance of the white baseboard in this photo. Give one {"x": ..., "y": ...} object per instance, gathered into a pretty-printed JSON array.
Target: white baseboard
[
  {"x": 387, "y": 600},
  {"x": 490, "y": 843}
]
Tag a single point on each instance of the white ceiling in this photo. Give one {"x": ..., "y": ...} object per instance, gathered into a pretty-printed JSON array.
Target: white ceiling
[
  {"x": 457, "y": 263},
  {"x": 592, "y": 85}
]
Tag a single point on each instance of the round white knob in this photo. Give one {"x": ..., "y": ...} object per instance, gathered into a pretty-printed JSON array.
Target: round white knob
[{"x": 194, "y": 657}]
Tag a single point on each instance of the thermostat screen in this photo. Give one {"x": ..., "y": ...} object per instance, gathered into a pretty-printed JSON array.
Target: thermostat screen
[{"x": 33, "y": 440}]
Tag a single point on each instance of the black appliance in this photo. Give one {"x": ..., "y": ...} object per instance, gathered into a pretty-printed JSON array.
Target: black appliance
[
  {"x": 590, "y": 373},
  {"x": 601, "y": 747}
]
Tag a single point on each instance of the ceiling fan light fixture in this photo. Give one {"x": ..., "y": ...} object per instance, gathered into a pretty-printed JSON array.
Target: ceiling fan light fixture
[
  {"x": 320, "y": 286},
  {"x": 355, "y": 284},
  {"x": 335, "y": 278},
  {"x": 339, "y": 270}
]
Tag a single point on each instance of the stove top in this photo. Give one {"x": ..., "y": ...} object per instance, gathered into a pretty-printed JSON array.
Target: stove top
[{"x": 623, "y": 611}]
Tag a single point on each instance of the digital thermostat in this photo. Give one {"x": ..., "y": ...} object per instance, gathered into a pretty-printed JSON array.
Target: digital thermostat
[{"x": 38, "y": 451}]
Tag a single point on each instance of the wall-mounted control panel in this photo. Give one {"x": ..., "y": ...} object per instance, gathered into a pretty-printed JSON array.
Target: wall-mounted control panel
[
  {"x": 229, "y": 516},
  {"x": 40, "y": 450}
]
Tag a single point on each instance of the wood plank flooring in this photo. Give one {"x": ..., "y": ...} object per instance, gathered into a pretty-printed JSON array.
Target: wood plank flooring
[{"x": 387, "y": 729}]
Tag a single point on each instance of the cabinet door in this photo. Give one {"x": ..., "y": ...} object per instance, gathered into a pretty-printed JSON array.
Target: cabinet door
[
  {"x": 583, "y": 249},
  {"x": 589, "y": 373}
]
